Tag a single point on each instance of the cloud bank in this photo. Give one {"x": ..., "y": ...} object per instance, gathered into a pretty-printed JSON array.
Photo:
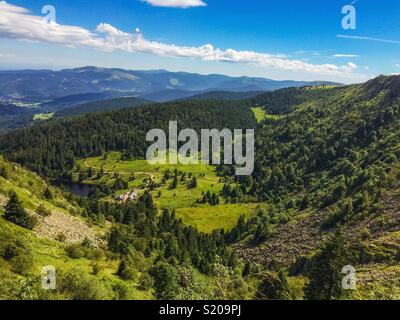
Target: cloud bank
[
  {"x": 176, "y": 3},
  {"x": 17, "y": 23}
]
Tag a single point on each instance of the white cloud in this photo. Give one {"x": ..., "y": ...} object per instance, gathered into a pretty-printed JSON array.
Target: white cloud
[
  {"x": 352, "y": 65},
  {"x": 18, "y": 23},
  {"x": 176, "y": 3},
  {"x": 339, "y": 55}
]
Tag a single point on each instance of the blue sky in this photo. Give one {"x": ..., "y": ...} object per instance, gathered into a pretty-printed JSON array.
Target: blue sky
[{"x": 300, "y": 38}]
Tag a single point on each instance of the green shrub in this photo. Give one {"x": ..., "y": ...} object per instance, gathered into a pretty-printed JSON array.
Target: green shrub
[
  {"x": 96, "y": 268},
  {"x": 78, "y": 285},
  {"x": 75, "y": 251},
  {"x": 93, "y": 254},
  {"x": 22, "y": 264},
  {"x": 12, "y": 287},
  {"x": 61, "y": 237},
  {"x": 11, "y": 249},
  {"x": 126, "y": 271},
  {"x": 146, "y": 282},
  {"x": 43, "y": 211}
]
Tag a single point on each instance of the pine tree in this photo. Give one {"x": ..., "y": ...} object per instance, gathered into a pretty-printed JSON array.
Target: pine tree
[
  {"x": 3, "y": 172},
  {"x": 325, "y": 275},
  {"x": 47, "y": 194},
  {"x": 166, "y": 281},
  {"x": 193, "y": 183},
  {"x": 15, "y": 212},
  {"x": 274, "y": 286},
  {"x": 175, "y": 183},
  {"x": 246, "y": 270}
]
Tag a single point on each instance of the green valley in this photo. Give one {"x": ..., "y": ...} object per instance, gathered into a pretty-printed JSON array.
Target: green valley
[
  {"x": 324, "y": 195},
  {"x": 184, "y": 199}
]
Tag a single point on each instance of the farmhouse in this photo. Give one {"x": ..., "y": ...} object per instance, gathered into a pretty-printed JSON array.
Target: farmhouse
[{"x": 127, "y": 197}]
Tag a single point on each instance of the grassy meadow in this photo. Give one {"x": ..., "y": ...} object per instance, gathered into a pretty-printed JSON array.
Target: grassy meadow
[{"x": 182, "y": 199}]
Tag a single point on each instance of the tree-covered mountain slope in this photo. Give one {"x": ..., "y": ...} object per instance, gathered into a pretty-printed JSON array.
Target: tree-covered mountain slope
[
  {"x": 101, "y": 106},
  {"x": 326, "y": 173},
  {"x": 329, "y": 164},
  {"x": 51, "y": 148}
]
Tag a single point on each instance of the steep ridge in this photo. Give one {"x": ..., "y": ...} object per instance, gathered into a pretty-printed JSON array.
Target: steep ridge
[{"x": 330, "y": 164}]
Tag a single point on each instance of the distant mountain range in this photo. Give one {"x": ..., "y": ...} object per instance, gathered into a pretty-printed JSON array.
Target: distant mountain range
[
  {"x": 28, "y": 96},
  {"x": 58, "y": 89}
]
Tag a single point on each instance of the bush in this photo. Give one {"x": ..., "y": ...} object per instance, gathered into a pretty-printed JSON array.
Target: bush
[
  {"x": 122, "y": 291},
  {"x": 78, "y": 285},
  {"x": 61, "y": 237},
  {"x": 11, "y": 249},
  {"x": 87, "y": 243},
  {"x": 75, "y": 251},
  {"x": 126, "y": 271},
  {"x": 146, "y": 282},
  {"x": 13, "y": 287},
  {"x": 22, "y": 264},
  {"x": 43, "y": 211},
  {"x": 96, "y": 268},
  {"x": 94, "y": 254}
]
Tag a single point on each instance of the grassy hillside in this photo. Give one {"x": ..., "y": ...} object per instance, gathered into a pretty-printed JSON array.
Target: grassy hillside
[
  {"x": 23, "y": 253},
  {"x": 88, "y": 267},
  {"x": 324, "y": 193},
  {"x": 182, "y": 199}
]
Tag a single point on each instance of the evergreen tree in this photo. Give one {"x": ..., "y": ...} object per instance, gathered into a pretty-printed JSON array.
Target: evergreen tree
[
  {"x": 175, "y": 183},
  {"x": 3, "y": 172},
  {"x": 246, "y": 269},
  {"x": 15, "y": 212},
  {"x": 326, "y": 273},
  {"x": 47, "y": 194},
  {"x": 273, "y": 286},
  {"x": 166, "y": 280},
  {"x": 193, "y": 183}
]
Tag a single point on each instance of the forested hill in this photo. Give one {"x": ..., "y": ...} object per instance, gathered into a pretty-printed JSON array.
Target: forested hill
[
  {"x": 327, "y": 158},
  {"x": 349, "y": 137},
  {"x": 103, "y": 105},
  {"x": 50, "y": 148},
  {"x": 284, "y": 100},
  {"x": 329, "y": 164}
]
